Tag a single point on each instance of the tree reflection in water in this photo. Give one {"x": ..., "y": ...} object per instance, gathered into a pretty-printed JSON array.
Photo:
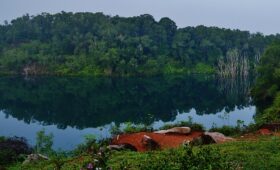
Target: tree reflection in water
[{"x": 83, "y": 102}]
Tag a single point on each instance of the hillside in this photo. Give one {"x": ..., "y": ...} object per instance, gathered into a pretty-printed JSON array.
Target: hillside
[{"x": 97, "y": 44}]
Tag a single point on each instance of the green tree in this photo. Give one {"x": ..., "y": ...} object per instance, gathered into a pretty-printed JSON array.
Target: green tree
[
  {"x": 266, "y": 91},
  {"x": 44, "y": 143}
]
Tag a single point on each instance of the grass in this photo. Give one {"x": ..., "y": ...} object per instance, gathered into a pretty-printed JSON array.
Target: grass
[
  {"x": 237, "y": 130},
  {"x": 262, "y": 153}
]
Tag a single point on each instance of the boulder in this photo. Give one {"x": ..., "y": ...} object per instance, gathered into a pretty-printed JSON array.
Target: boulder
[
  {"x": 178, "y": 130},
  {"x": 218, "y": 137},
  {"x": 149, "y": 143},
  {"x": 34, "y": 158},
  {"x": 202, "y": 140},
  {"x": 125, "y": 146},
  {"x": 210, "y": 138}
]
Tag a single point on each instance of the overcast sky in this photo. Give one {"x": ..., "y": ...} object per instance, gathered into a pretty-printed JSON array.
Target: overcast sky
[{"x": 253, "y": 15}]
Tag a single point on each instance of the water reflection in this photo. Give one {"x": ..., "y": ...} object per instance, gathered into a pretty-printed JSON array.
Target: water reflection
[
  {"x": 92, "y": 102},
  {"x": 217, "y": 120}
]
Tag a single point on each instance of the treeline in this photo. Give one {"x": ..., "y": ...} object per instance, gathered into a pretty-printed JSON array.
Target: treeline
[{"x": 97, "y": 44}]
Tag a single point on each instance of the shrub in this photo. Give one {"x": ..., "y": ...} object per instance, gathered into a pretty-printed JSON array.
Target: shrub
[
  {"x": 226, "y": 130},
  {"x": 133, "y": 128},
  {"x": 189, "y": 123},
  {"x": 44, "y": 143},
  {"x": 183, "y": 158},
  {"x": 11, "y": 149},
  {"x": 239, "y": 129},
  {"x": 129, "y": 127}
]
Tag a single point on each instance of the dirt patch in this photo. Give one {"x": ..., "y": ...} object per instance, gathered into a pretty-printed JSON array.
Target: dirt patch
[
  {"x": 172, "y": 140},
  {"x": 164, "y": 140},
  {"x": 254, "y": 136},
  {"x": 264, "y": 131}
]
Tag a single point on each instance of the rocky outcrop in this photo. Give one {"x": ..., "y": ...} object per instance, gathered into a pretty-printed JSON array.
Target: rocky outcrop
[
  {"x": 162, "y": 141},
  {"x": 120, "y": 147},
  {"x": 218, "y": 137},
  {"x": 210, "y": 138},
  {"x": 177, "y": 130},
  {"x": 34, "y": 158},
  {"x": 202, "y": 140},
  {"x": 149, "y": 143}
]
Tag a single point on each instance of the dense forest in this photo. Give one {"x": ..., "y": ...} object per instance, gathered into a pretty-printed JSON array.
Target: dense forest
[
  {"x": 97, "y": 44},
  {"x": 266, "y": 91}
]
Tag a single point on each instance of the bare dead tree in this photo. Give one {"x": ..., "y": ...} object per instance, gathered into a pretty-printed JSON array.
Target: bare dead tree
[{"x": 233, "y": 64}]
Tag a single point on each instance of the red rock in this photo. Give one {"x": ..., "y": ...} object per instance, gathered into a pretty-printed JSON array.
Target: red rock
[{"x": 218, "y": 137}]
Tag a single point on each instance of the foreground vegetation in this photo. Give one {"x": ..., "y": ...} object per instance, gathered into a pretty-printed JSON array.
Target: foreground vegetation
[
  {"x": 97, "y": 44},
  {"x": 234, "y": 155},
  {"x": 261, "y": 153}
]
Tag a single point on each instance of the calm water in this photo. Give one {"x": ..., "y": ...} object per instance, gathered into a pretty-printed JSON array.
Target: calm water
[{"x": 71, "y": 108}]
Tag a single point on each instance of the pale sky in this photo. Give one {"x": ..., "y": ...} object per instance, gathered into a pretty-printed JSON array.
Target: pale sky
[{"x": 253, "y": 15}]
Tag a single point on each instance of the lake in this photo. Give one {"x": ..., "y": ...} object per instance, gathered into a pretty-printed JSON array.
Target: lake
[{"x": 72, "y": 107}]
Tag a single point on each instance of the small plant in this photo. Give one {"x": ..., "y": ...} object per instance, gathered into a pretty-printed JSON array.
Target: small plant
[
  {"x": 240, "y": 124},
  {"x": 133, "y": 128},
  {"x": 58, "y": 159},
  {"x": 115, "y": 129},
  {"x": 239, "y": 129},
  {"x": 44, "y": 143},
  {"x": 226, "y": 130}
]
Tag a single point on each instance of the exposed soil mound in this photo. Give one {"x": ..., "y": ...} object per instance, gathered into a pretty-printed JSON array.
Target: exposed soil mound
[{"x": 163, "y": 140}]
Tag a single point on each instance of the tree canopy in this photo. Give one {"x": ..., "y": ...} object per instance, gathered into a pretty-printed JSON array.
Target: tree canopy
[
  {"x": 97, "y": 44},
  {"x": 267, "y": 89}
]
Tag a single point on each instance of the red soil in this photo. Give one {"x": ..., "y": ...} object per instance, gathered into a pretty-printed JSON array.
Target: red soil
[
  {"x": 175, "y": 140},
  {"x": 164, "y": 140},
  {"x": 264, "y": 131}
]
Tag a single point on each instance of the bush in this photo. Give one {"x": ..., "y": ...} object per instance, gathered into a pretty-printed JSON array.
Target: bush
[
  {"x": 189, "y": 123},
  {"x": 12, "y": 149},
  {"x": 183, "y": 158},
  {"x": 226, "y": 130},
  {"x": 239, "y": 129},
  {"x": 44, "y": 143},
  {"x": 129, "y": 128},
  {"x": 133, "y": 128}
]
